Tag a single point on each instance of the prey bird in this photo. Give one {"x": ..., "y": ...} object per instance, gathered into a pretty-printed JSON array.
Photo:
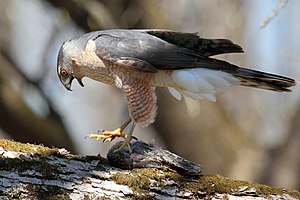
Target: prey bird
[{"x": 138, "y": 61}]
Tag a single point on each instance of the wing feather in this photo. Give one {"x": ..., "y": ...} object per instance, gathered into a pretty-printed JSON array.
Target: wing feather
[
  {"x": 206, "y": 47},
  {"x": 141, "y": 46},
  {"x": 152, "y": 50}
]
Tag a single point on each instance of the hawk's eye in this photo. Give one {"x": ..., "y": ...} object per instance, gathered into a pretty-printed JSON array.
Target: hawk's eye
[{"x": 63, "y": 72}]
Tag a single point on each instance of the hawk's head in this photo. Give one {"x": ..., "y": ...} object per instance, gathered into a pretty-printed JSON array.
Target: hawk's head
[{"x": 65, "y": 65}]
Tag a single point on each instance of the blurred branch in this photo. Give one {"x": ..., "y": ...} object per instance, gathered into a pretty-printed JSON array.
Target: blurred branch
[
  {"x": 274, "y": 13},
  {"x": 18, "y": 120},
  {"x": 96, "y": 14},
  {"x": 89, "y": 15},
  {"x": 21, "y": 76}
]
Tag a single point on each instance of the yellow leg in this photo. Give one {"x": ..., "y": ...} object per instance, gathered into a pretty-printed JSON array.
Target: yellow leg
[
  {"x": 127, "y": 140},
  {"x": 108, "y": 136}
]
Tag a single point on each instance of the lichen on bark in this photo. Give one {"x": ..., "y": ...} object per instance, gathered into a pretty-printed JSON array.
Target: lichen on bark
[{"x": 35, "y": 171}]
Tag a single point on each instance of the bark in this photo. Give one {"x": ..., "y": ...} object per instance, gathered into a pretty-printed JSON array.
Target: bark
[{"x": 35, "y": 172}]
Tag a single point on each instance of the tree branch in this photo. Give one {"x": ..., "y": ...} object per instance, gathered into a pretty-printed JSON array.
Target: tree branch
[
  {"x": 274, "y": 13},
  {"x": 34, "y": 171}
]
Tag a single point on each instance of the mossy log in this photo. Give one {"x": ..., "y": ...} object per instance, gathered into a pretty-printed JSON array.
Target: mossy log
[{"x": 30, "y": 171}]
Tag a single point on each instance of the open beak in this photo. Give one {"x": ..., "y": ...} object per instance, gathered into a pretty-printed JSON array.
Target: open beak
[
  {"x": 80, "y": 82},
  {"x": 68, "y": 83}
]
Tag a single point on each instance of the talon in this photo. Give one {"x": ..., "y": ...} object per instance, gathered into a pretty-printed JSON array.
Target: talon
[
  {"x": 107, "y": 136},
  {"x": 135, "y": 138},
  {"x": 127, "y": 140}
]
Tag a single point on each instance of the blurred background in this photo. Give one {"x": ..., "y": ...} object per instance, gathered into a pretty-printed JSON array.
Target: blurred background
[{"x": 248, "y": 134}]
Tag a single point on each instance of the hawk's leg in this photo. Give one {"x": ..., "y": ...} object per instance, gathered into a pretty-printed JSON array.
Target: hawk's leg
[
  {"x": 128, "y": 139},
  {"x": 108, "y": 136}
]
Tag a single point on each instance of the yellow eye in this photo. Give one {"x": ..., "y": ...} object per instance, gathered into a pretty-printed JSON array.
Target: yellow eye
[{"x": 63, "y": 72}]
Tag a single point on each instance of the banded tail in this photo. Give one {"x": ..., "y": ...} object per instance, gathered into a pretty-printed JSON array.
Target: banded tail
[
  {"x": 204, "y": 83},
  {"x": 263, "y": 80}
]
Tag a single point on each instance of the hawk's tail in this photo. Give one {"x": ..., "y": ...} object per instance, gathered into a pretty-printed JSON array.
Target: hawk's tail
[
  {"x": 263, "y": 80},
  {"x": 204, "y": 83}
]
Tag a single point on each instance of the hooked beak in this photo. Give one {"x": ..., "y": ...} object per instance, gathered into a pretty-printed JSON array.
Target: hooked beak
[
  {"x": 80, "y": 82},
  {"x": 68, "y": 83}
]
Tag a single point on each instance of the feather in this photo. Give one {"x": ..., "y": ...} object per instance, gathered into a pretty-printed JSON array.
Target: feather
[
  {"x": 201, "y": 83},
  {"x": 263, "y": 80},
  {"x": 175, "y": 93}
]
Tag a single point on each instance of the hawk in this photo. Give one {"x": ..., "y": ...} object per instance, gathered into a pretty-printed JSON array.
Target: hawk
[{"x": 138, "y": 61}]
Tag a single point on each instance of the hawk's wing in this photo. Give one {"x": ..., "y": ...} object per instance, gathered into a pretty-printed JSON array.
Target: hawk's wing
[
  {"x": 152, "y": 50},
  {"x": 192, "y": 41},
  {"x": 148, "y": 52}
]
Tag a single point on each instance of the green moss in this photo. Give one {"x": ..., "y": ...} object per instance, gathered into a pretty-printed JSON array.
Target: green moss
[
  {"x": 12, "y": 192},
  {"x": 44, "y": 151},
  {"x": 20, "y": 165},
  {"x": 48, "y": 192},
  {"x": 140, "y": 180},
  {"x": 27, "y": 148},
  {"x": 210, "y": 184}
]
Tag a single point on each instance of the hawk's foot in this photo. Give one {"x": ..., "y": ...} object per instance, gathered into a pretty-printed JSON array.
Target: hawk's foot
[
  {"x": 125, "y": 143},
  {"x": 108, "y": 136},
  {"x": 127, "y": 140}
]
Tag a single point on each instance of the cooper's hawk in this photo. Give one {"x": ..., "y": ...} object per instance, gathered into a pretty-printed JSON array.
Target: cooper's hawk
[{"x": 137, "y": 61}]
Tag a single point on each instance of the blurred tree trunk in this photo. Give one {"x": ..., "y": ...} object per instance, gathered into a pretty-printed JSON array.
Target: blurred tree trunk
[
  {"x": 19, "y": 121},
  {"x": 16, "y": 118},
  {"x": 283, "y": 166}
]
